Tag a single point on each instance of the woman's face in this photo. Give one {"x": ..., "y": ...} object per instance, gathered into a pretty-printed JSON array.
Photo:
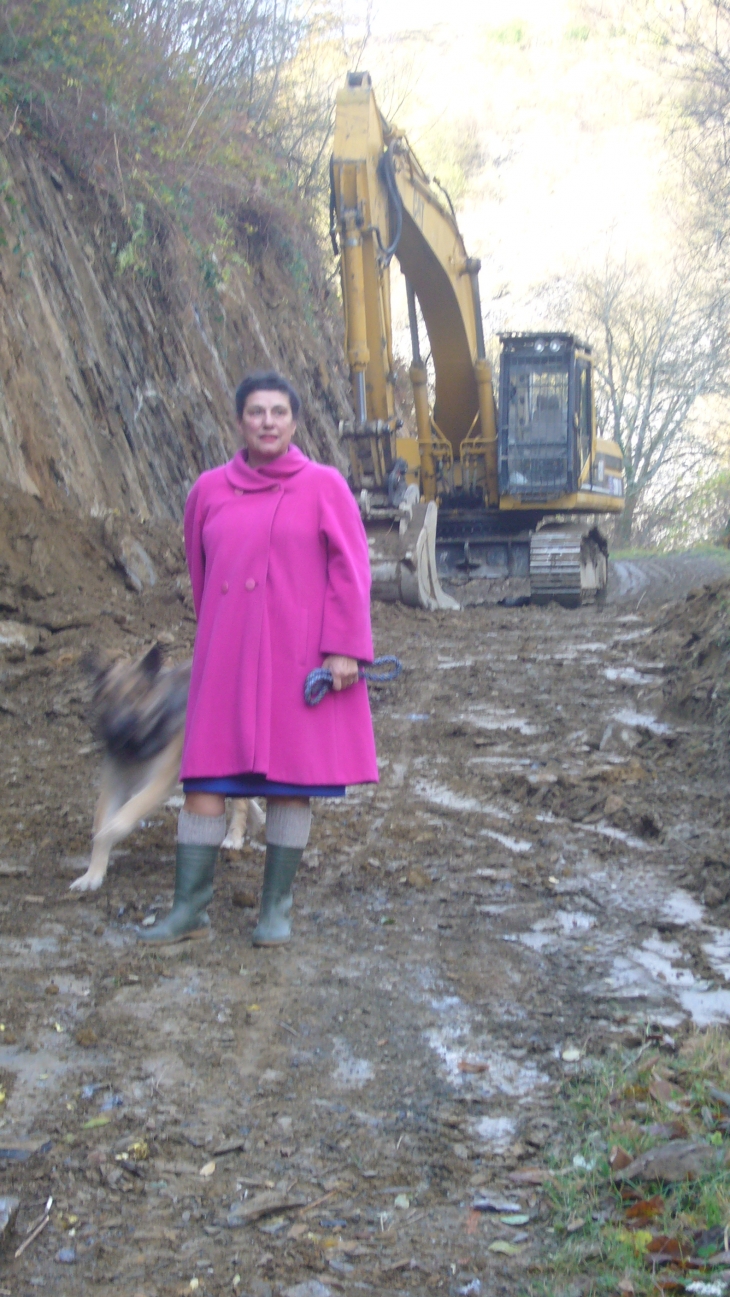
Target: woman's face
[{"x": 267, "y": 426}]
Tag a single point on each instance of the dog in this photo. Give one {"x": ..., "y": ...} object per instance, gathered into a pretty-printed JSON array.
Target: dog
[{"x": 138, "y": 715}]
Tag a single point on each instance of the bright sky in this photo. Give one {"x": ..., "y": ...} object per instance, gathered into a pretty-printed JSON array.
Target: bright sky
[
  {"x": 575, "y": 162},
  {"x": 461, "y": 14}
]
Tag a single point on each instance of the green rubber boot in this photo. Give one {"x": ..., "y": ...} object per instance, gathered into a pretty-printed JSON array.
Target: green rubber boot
[
  {"x": 187, "y": 920},
  {"x": 274, "y": 925}
]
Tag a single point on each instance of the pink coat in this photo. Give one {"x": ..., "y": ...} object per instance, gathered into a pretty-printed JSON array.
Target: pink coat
[{"x": 278, "y": 560}]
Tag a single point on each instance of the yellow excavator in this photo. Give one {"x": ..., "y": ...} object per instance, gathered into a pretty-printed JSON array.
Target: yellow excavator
[{"x": 483, "y": 491}]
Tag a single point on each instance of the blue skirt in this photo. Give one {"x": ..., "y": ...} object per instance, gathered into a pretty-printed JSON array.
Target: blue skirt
[{"x": 259, "y": 786}]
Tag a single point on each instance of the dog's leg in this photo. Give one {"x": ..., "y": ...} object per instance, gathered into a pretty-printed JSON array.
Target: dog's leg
[
  {"x": 256, "y": 817},
  {"x": 233, "y": 840},
  {"x": 112, "y": 794},
  {"x": 105, "y": 796},
  {"x": 247, "y": 814},
  {"x": 162, "y": 779}
]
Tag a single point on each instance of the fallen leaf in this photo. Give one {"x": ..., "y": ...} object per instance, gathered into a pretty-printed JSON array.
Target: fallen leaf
[
  {"x": 574, "y": 1224},
  {"x": 207, "y": 1170},
  {"x": 496, "y": 1204},
  {"x": 51, "y": 989},
  {"x": 520, "y": 1218},
  {"x": 674, "y": 1162},
  {"x": 618, "y": 1158},
  {"x": 640, "y": 1240},
  {"x": 264, "y": 1204},
  {"x": 504, "y": 1248},
  {"x": 571, "y": 1055},
  {"x": 662, "y": 1092},
  {"x": 647, "y": 1209},
  {"x": 664, "y": 1248},
  {"x": 472, "y": 1222},
  {"x": 626, "y": 1287},
  {"x": 530, "y": 1175},
  {"x": 417, "y": 878},
  {"x": 667, "y": 1130},
  {"x": 93, "y": 1122},
  {"x": 465, "y": 1066}
]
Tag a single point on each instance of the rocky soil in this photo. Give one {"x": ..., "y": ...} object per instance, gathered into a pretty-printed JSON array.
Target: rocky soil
[
  {"x": 541, "y": 872},
  {"x": 116, "y": 389}
]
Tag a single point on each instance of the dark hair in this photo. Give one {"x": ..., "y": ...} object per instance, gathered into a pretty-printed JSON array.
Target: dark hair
[{"x": 266, "y": 380}]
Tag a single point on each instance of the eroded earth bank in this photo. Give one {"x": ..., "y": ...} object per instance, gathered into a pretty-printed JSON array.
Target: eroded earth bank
[{"x": 541, "y": 872}]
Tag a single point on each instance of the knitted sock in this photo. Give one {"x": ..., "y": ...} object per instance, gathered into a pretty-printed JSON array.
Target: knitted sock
[
  {"x": 201, "y": 830},
  {"x": 287, "y": 823}
]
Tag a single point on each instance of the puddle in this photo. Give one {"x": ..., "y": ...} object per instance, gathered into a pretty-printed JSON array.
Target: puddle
[
  {"x": 496, "y": 1132},
  {"x": 453, "y": 1043},
  {"x": 512, "y": 844},
  {"x": 657, "y": 957},
  {"x": 645, "y": 720},
  {"x": 443, "y": 796},
  {"x": 704, "y": 1003},
  {"x": 533, "y": 940},
  {"x": 546, "y": 932},
  {"x": 718, "y": 952},
  {"x": 575, "y": 920},
  {"x": 495, "y": 718},
  {"x": 683, "y": 908},
  {"x": 440, "y": 795},
  {"x": 706, "y": 1007},
  {"x": 351, "y": 1073},
  {"x": 628, "y": 676},
  {"x": 608, "y": 831}
]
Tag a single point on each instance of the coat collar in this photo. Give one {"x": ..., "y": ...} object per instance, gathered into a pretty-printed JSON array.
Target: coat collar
[{"x": 242, "y": 477}]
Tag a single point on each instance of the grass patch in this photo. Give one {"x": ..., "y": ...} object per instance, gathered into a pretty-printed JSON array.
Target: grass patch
[{"x": 634, "y": 1236}]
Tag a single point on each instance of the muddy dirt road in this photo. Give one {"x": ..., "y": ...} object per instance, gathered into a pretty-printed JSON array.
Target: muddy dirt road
[{"x": 518, "y": 894}]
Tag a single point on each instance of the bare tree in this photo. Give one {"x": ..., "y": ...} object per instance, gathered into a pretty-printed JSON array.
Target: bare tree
[{"x": 659, "y": 353}]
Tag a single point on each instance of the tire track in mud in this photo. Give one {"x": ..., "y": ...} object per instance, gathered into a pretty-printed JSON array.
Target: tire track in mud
[{"x": 512, "y": 888}]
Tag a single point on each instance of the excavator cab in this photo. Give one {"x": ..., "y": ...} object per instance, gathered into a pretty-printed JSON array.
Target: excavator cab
[{"x": 545, "y": 415}]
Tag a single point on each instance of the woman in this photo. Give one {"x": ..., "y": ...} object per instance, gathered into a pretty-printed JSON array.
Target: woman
[{"x": 278, "y": 561}]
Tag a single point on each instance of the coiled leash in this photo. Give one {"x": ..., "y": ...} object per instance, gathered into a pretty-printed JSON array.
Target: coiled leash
[{"x": 380, "y": 672}]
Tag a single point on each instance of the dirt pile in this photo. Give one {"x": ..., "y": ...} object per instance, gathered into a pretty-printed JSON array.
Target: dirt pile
[{"x": 692, "y": 639}]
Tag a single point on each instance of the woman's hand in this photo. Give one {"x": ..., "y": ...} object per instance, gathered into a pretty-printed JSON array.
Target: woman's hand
[{"x": 344, "y": 671}]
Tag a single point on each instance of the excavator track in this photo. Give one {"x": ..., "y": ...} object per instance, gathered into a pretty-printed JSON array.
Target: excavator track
[{"x": 568, "y": 564}]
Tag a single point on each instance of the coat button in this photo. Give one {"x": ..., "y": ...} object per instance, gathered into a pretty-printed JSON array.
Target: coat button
[
  {"x": 250, "y": 584},
  {"x": 224, "y": 588}
]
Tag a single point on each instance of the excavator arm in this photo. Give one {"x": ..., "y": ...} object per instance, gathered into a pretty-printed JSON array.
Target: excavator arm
[{"x": 384, "y": 206}]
